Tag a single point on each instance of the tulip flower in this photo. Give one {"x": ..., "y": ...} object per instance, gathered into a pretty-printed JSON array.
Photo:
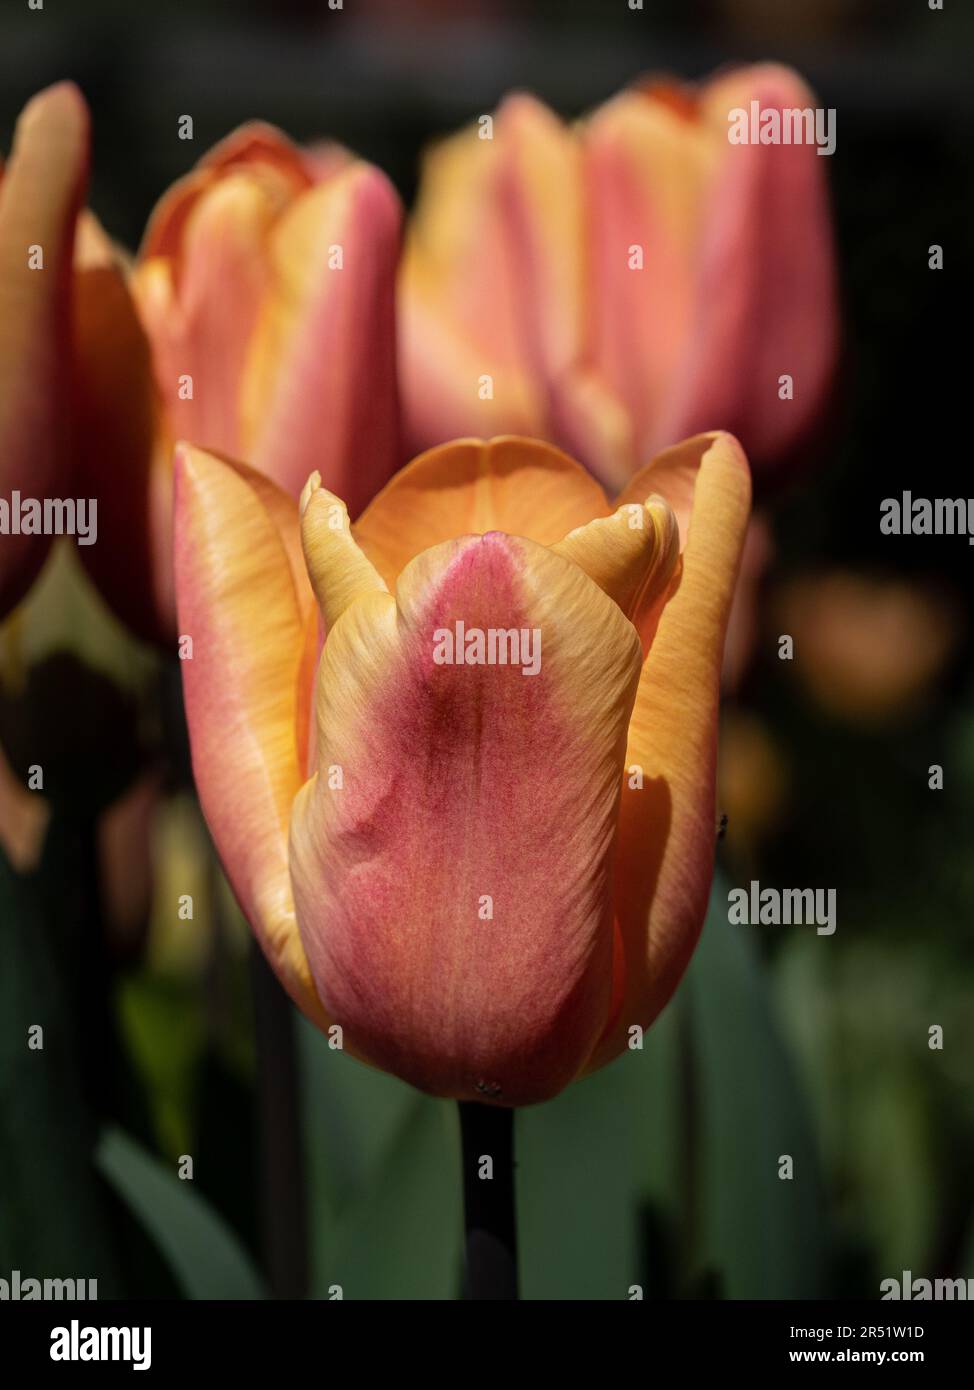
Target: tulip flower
[
  {"x": 258, "y": 322},
  {"x": 486, "y": 869},
  {"x": 618, "y": 284},
  {"x": 40, "y": 195}
]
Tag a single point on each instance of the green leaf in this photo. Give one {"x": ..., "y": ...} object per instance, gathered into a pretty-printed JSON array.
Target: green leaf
[
  {"x": 609, "y": 1195},
  {"x": 162, "y": 1029},
  {"x": 383, "y": 1166},
  {"x": 890, "y": 1139},
  {"x": 860, "y": 1023},
  {"x": 402, "y": 1239},
  {"x": 597, "y": 1179},
  {"x": 352, "y": 1115},
  {"x": 764, "y": 1235},
  {"x": 200, "y": 1249},
  {"x": 55, "y": 1217}
]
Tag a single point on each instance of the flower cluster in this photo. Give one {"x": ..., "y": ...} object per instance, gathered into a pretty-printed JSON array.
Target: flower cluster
[{"x": 485, "y": 884}]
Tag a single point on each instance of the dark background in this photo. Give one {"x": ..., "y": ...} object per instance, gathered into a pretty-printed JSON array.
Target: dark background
[{"x": 779, "y": 1041}]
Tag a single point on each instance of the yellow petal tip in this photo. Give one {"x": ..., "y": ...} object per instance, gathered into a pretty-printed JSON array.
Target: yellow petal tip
[{"x": 307, "y": 492}]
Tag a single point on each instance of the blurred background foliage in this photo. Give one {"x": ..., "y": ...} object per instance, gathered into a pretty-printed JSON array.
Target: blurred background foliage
[{"x": 662, "y": 1170}]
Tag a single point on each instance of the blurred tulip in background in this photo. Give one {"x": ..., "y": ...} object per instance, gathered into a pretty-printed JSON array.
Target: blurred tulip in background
[
  {"x": 257, "y": 321},
  {"x": 868, "y": 650},
  {"x": 41, "y": 191},
  {"x": 619, "y": 284}
]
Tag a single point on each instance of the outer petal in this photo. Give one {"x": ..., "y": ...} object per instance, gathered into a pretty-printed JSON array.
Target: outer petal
[
  {"x": 541, "y": 194},
  {"x": 455, "y": 252},
  {"x": 259, "y": 143},
  {"x": 463, "y": 784},
  {"x": 253, "y": 145},
  {"x": 123, "y": 457},
  {"x": 593, "y": 424},
  {"x": 766, "y": 295},
  {"x": 667, "y": 828},
  {"x": 674, "y": 474},
  {"x": 242, "y": 601},
  {"x": 648, "y": 170},
  {"x": 493, "y": 277},
  {"x": 508, "y": 484},
  {"x": 201, "y": 309},
  {"x": 320, "y": 390},
  {"x": 442, "y": 371},
  {"x": 40, "y": 195}
]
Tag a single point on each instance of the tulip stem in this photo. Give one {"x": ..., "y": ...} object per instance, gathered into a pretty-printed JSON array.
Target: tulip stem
[
  {"x": 281, "y": 1168},
  {"x": 490, "y": 1246}
]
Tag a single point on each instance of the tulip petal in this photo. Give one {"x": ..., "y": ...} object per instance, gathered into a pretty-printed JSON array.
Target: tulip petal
[
  {"x": 444, "y": 375},
  {"x": 453, "y": 894},
  {"x": 766, "y": 292},
  {"x": 241, "y": 602},
  {"x": 540, "y": 190},
  {"x": 648, "y": 169},
  {"x": 667, "y": 830},
  {"x": 456, "y": 262},
  {"x": 491, "y": 286},
  {"x": 510, "y": 484},
  {"x": 339, "y": 572},
  {"x": 631, "y": 555},
  {"x": 122, "y": 453},
  {"x": 674, "y": 474},
  {"x": 253, "y": 145},
  {"x": 591, "y": 423},
  {"x": 40, "y": 194},
  {"x": 200, "y": 321},
  {"x": 320, "y": 389},
  {"x": 259, "y": 143}
]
